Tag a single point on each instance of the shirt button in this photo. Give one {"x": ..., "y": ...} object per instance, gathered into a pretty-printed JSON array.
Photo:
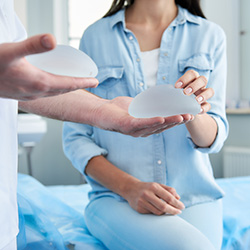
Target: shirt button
[
  {"x": 141, "y": 84},
  {"x": 164, "y": 78},
  {"x": 138, "y": 60},
  {"x": 130, "y": 38},
  {"x": 170, "y": 29},
  {"x": 166, "y": 54},
  {"x": 159, "y": 162}
]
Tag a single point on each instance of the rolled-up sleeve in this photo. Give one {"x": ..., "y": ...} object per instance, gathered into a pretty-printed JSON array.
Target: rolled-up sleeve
[
  {"x": 79, "y": 145},
  {"x": 217, "y": 81}
]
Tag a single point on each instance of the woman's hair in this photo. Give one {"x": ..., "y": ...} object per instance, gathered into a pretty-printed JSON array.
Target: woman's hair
[{"x": 193, "y": 6}]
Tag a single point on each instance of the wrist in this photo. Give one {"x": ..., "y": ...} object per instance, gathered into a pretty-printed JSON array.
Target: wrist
[
  {"x": 128, "y": 186},
  {"x": 95, "y": 115}
]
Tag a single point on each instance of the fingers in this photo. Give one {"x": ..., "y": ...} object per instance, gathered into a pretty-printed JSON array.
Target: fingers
[
  {"x": 193, "y": 83},
  {"x": 170, "y": 122},
  {"x": 170, "y": 198},
  {"x": 145, "y": 127},
  {"x": 204, "y": 95},
  {"x": 188, "y": 77},
  {"x": 198, "y": 84},
  {"x": 160, "y": 207},
  {"x": 171, "y": 190},
  {"x": 205, "y": 107},
  {"x": 160, "y": 199},
  {"x": 144, "y": 123},
  {"x": 34, "y": 45},
  {"x": 63, "y": 84},
  {"x": 158, "y": 131}
]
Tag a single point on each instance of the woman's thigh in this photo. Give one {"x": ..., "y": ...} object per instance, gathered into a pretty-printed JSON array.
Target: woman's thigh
[
  {"x": 118, "y": 226},
  {"x": 208, "y": 219}
]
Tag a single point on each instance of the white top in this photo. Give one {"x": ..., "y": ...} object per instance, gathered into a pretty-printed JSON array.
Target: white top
[
  {"x": 150, "y": 61},
  {"x": 11, "y": 30}
]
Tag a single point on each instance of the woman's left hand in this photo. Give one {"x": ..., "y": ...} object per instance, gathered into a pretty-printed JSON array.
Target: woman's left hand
[{"x": 193, "y": 83}]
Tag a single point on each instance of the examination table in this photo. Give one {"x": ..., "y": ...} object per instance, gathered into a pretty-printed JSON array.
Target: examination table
[{"x": 52, "y": 217}]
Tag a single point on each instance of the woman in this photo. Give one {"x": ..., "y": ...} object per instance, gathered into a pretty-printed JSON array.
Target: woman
[{"x": 156, "y": 192}]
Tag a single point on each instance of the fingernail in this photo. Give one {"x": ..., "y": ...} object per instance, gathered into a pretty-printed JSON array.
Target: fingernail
[
  {"x": 200, "y": 99},
  {"x": 188, "y": 91},
  {"x": 179, "y": 212},
  {"x": 201, "y": 111},
  {"x": 46, "y": 42},
  {"x": 178, "y": 84}
]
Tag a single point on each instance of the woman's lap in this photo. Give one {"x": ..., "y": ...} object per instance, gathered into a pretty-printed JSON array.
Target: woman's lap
[{"x": 118, "y": 226}]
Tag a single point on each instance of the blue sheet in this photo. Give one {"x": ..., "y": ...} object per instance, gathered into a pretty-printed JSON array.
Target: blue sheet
[
  {"x": 236, "y": 213},
  {"x": 52, "y": 217},
  {"x": 49, "y": 222}
]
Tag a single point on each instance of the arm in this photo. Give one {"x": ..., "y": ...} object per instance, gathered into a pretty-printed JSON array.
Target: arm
[
  {"x": 83, "y": 107},
  {"x": 22, "y": 81},
  {"x": 88, "y": 157},
  {"x": 209, "y": 129},
  {"x": 144, "y": 197},
  {"x": 197, "y": 128},
  {"x": 195, "y": 84}
]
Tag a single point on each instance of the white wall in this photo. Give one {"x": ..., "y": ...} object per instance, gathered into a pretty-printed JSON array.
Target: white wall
[
  {"x": 245, "y": 49},
  {"x": 226, "y": 14},
  {"x": 233, "y": 17}
]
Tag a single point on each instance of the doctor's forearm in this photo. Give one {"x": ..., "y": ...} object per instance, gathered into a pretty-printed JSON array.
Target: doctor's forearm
[
  {"x": 203, "y": 130},
  {"x": 77, "y": 106}
]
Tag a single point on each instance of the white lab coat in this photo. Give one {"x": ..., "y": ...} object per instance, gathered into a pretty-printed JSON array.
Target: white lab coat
[{"x": 10, "y": 30}]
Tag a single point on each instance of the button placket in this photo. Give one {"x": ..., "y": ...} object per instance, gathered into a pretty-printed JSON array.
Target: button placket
[
  {"x": 159, "y": 160},
  {"x": 139, "y": 78},
  {"x": 163, "y": 75}
]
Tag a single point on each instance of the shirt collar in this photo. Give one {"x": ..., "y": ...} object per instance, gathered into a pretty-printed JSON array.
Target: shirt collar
[
  {"x": 182, "y": 17},
  {"x": 185, "y": 16},
  {"x": 117, "y": 18}
]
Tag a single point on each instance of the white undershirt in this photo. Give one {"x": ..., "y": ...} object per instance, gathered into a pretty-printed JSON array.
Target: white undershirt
[{"x": 150, "y": 61}]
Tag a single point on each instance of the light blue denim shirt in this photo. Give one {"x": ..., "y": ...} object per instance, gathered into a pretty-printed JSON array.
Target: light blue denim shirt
[{"x": 190, "y": 42}]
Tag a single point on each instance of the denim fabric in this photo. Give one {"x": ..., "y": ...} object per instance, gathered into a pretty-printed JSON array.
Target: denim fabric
[
  {"x": 190, "y": 42},
  {"x": 120, "y": 227}
]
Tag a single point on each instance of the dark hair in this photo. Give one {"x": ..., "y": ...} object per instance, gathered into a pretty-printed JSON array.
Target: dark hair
[{"x": 193, "y": 6}]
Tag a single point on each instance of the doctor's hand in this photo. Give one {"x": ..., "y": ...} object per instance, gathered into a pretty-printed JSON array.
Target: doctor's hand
[
  {"x": 193, "y": 83},
  {"x": 113, "y": 115},
  {"x": 155, "y": 198},
  {"x": 22, "y": 81}
]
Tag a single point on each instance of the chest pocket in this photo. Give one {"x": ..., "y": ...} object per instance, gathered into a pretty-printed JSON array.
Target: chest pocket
[
  {"x": 201, "y": 62},
  {"x": 111, "y": 82}
]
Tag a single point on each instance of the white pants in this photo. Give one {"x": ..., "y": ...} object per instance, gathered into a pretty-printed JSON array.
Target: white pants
[{"x": 11, "y": 246}]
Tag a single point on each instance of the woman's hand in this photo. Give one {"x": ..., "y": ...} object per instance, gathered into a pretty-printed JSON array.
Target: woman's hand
[
  {"x": 203, "y": 129},
  {"x": 193, "y": 83},
  {"x": 155, "y": 198}
]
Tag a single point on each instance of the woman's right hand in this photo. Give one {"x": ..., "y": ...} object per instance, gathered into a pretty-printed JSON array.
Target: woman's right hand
[{"x": 155, "y": 198}]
